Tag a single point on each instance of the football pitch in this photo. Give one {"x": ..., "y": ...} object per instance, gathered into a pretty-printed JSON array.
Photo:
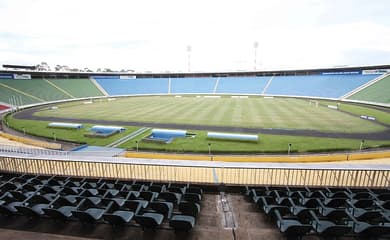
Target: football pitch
[{"x": 251, "y": 112}]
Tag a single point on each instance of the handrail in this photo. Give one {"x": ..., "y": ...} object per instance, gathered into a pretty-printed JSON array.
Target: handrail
[{"x": 291, "y": 174}]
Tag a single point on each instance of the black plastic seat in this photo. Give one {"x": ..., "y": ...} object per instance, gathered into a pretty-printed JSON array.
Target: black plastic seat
[
  {"x": 192, "y": 197},
  {"x": 118, "y": 215},
  {"x": 367, "y": 230},
  {"x": 182, "y": 222},
  {"x": 254, "y": 194},
  {"x": 71, "y": 190},
  {"x": 269, "y": 205},
  {"x": 196, "y": 190},
  {"x": 148, "y": 195},
  {"x": 12, "y": 200},
  {"x": 170, "y": 197},
  {"x": 110, "y": 193},
  {"x": 299, "y": 210},
  {"x": 158, "y": 188},
  {"x": 364, "y": 209},
  {"x": 61, "y": 213},
  {"x": 135, "y": 206},
  {"x": 325, "y": 227},
  {"x": 62, "y": 208},
  {"x": 383, "y": 196},
  {"x": 19, "y": 195},
  {"x": 384, "y": 205},
  {"x": 90, "y": 213},
  {"x": 92, "y": 192},
  {"x": 189, "y": 208},
  {"x": 333, "y": 213},
  {"x": 8, "y": 208},
  {"x": 315, "y": 193},
  {"x": 73, "y": 183},
  {"x": 363, "y": 195},
  {"x": 291, "y": 226},
  {"x": 138, "y": 187},
  {"x": 280, "y": 197},
  {"x": 58, "y": 181},
  {"x": 176, "y": 189},
  {"x": 149, "y": 220},
  {"x": 90, "y": 184},
  {"x": 51, "y": 189},
  {"x": 165, "y": 208},
  {"x": 34, "y": 206}
]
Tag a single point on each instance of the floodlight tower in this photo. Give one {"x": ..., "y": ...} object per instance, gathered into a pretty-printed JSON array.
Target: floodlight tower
[
  {"x": 255, "y": 46},
  {"x": 189, "y": 49}
]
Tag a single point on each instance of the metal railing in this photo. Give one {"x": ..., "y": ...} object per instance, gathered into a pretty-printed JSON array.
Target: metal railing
[{"x": 48, "y": 162}]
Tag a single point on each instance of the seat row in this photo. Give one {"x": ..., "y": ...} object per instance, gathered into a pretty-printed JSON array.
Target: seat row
[
  {"x": 329, "y": 212},
  {"x": 145, "y": 204}
]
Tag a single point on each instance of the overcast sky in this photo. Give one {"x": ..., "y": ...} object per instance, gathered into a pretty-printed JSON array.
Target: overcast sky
[{"x": 155, "y": 35}]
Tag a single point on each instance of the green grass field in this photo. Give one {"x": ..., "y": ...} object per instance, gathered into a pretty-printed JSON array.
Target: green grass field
[
  {"x": 268, "y": 144},
  {"x": 381, "y": 116},
  {"x": 39, "y": 128},
  {"x": 199, "y": 144},
  {"x": 253, "y": 112}
]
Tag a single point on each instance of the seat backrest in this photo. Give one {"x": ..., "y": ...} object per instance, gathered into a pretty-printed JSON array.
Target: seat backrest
[
  {"x": 164, "y": 208},
  {"x": 189, "y": 208}
]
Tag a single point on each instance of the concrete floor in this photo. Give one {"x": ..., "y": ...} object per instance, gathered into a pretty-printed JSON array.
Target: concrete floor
[{"x": 250, "y": 224}]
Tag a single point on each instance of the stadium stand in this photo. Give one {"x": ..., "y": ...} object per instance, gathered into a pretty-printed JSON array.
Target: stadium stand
[
  {"x": 328, "y": 86},
  {"x": 296, "y": 211},
  {"x": 327, "y": 212},
  {"x": 36, "y": 87},
  {"x": 250, "y": 85},
  {"x": 116, "y": 86},
  {"x": 377, "y": 92},
  {"x": 23, "y": 92},
  {"x": 78, "y": 88},
  {"x": 193, "y": 85},
  {"x": 3, "y": 107},
  {"x": 116, "y": 202},
  {"x": 8, "y": 95}
]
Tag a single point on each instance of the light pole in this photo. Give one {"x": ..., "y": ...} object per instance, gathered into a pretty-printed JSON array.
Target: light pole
[
  {"x": 209, "y": 148},
  {"x": 136, "y": 143},
  {"x": 255, "y": 46},
  {"x": 189, "y": 49},
  {"x": 289, "y": 149}
]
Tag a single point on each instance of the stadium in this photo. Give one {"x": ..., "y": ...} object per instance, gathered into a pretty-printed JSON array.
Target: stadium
[
  {"x": 194, "y": 120},
  {"x": 302, "y": 118}
]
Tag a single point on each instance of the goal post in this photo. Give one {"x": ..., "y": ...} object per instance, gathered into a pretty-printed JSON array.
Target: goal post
[{"x": 313, "y": 102}]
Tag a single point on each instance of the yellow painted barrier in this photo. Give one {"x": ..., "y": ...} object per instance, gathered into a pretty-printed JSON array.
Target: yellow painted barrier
[
  {"x": 32, "y": 142},
  {"x": 241, "y": 158},
  {"x": 289, "y": 159},
  {"x": 369, "y": 155},
  {"x": 166, "y": 156}
]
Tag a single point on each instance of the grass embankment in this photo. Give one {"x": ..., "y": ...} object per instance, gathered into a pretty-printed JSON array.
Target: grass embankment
[
  {"x": 381, "y": 116},
  {"x": 199, "y": 144},
  {"x": 39, "y": 128},
  {"x": 267, "y": 144}
]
